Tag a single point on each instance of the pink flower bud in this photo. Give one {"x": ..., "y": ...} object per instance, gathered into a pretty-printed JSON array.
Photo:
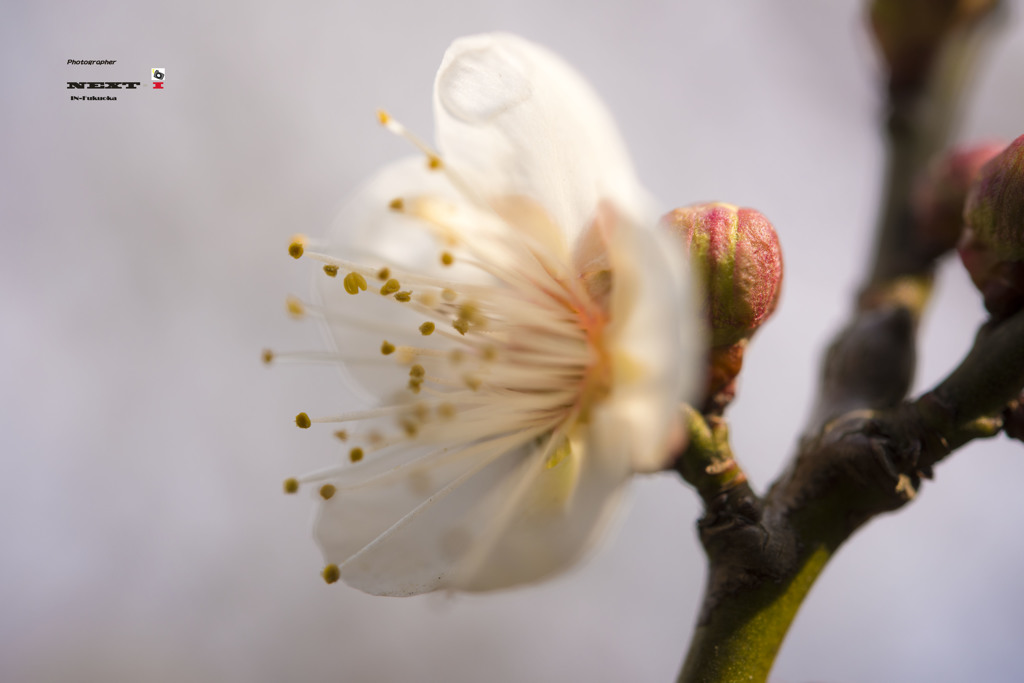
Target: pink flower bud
[
  {"x": 737, "y": 256},
  {"x": 940, "y": 193},
  {"x": 995, "y": 204},
  {"x": 992, "y": 249}
]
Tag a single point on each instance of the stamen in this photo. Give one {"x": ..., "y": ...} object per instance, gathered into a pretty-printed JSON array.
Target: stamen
[
  {"x": 291, "y": 485},
  {"x": 302, "y": 421},
  {"x": 390, "y": 287},
  {"x": 409, "y": 427},
  {"x": 404, "y": 297},
  {"x": 295, "y": 307},
  {"x": 297, "y": 246},
  {"x": 357, "y": 415},
  {"x": 448, "y": 295},
  {"x": 426, "y": 329},
  {"x": 354, "y": 282},
  {"x": 383, "y": 273},
  {"x": 433, "y": 162},
  {"x": 396, "y": 204},
  {"x": 355, "y": 455},
  {"x": 321, "y": 357},
  {"x": 417, "y": 371},
  {"x": 461, "y": 325},
  {"x": 332, "y": 271},
  {"x": 387, "y": 348},
  {"x": 446, "y": 258},
  {"x": 327, "y": 491},
  {"x": 341, "y": 435},
  {"x": 331, "y": 573}
]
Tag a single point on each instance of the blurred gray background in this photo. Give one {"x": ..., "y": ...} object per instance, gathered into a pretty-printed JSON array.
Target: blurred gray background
[{"x": 144, "y": 533}]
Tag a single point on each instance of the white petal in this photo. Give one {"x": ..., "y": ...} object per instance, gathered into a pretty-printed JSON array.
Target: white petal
[
  {"x": 403, "y": 535},
  {"x": 513, "y": 119},
  {"x": 551, "y": 514},
  {"x": 656, "y": 340}
]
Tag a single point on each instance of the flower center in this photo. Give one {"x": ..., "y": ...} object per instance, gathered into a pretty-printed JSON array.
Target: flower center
[{"x": 510, "y": 348}]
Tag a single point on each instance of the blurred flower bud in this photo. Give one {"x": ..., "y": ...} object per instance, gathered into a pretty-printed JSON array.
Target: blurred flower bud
[
  {"x": 992, "y": 249},
  {"x": 995, "y": 204},
  {"x": 910, "y": 33},
  {"x": 737, "y": 257},
  {"x": 1000, "y": 282},
  {"x": 940, "y": 193}
]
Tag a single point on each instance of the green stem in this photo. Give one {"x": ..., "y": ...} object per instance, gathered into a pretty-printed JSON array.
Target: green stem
[{"x": 741, "y": 637}]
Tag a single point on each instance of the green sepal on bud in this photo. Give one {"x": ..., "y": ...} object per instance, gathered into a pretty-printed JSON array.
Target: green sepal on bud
[
  {"x": 940, "y": 194},
  {"x": 736, "y": 255},
  {"x": 992, "y": 248}
]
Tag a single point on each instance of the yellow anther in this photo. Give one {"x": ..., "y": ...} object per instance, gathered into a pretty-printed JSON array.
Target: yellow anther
[
  {"x": 433, "y": 162},
  {"x": 404, "y": 297},
  {"x": 396, "y": 204},
  {"x": 490, "y": 353},
  {"x": 354, "y": 282},
  {"x": 332, "y": 271},
  {"x": 448, "y": 295},
  {"x": 387, "y": 348},
  {"x": 472, "y": 382},
  {"x": 355, "y": 455},
  {"x": 268, "y": 356},
  {"x": 461, "y": 325},
  {"x": 390, "y": 287},
  {"x": 341, "y": 435},
  {"x": 303, "y": 421},
  {"x": 417, "y": 371},
  {"x": 297, "y": 246},
  {"x": 295, "y": 307},
  {"x": 331, "y": 573},
  {"x": 327, "y": 491},
  {"x": 414, "y": 384},
  {"x": 291, "y": 485},
  {"x": 469, "y": 313},
  {"x": 559, "y": 455},
  {"x": 446, "y": 411},
  {"x": 409, "y": 427},
  {"x": 427, "y": 329},
  {"x": 446, "y": 258},
  {"x": 383, "y": 117},
  {"x": 383, "y": 273}
]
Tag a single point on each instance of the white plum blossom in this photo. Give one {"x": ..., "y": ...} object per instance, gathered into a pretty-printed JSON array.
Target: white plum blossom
[{"x": 523, "y": 334}]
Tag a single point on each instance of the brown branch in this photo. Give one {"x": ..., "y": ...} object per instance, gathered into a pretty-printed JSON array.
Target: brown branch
[{"x": 866, "y": 449}]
